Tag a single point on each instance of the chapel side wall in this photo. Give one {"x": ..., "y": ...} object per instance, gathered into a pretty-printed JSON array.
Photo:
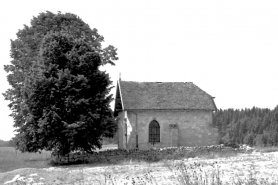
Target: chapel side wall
[
  {"x": 194, "y": 128},
  {"x": 121, "y": 131},
  {"x": 132, "y": 134}
]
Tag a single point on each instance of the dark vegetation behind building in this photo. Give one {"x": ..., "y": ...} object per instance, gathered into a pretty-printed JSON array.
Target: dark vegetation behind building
[{"x": 255, "y": 127}]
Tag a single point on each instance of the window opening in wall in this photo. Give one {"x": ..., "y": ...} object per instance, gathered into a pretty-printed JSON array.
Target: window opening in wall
[{"x": 154, "y": 132}]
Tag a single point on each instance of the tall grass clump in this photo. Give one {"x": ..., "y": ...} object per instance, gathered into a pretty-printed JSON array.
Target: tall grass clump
[{"x": 199, "y": 174}]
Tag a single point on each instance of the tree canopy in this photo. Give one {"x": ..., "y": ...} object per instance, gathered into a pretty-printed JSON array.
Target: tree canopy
[{"x": 59, "y": 97}]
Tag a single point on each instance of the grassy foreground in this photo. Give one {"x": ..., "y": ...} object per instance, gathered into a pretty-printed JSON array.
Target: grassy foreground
[
  {"x": 10, "y": 159},
  {"x": 254, "y": 168}
]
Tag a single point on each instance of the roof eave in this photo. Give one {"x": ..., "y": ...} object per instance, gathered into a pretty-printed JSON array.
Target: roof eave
[
  {"x": 212, "y": 98},
  {"x": 118, "y": 91},
  {"x": 168, "y": 109},
  {"x": 121, "y": 94}
]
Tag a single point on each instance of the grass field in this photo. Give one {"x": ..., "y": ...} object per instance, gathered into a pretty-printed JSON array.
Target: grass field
[
  {"x": 243, "y": 169},
  {"x": 252, "y": 169},
  {"x": 10, "y": 159},
  {"x": 267, "y": 149}
]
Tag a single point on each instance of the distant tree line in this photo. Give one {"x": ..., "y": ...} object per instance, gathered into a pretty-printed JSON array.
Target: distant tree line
[
  {"x": 105, "y": 141},
  {"x": 254, "y": 127},
  {"x": 10, "y": 143}
]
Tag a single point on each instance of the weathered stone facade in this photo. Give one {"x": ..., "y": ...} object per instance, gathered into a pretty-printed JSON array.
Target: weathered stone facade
[
  {"x": 182, "y": 110},
  {"x": 177, "y": 128}
]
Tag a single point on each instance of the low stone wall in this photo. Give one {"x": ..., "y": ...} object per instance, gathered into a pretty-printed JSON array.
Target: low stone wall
[{"x": 146, "y": 155}]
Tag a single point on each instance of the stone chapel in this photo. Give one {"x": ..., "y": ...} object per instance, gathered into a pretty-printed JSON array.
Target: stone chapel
[{"x": 163, "y": 114}]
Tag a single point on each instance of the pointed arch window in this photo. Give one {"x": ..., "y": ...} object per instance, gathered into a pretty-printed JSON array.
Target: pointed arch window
[{"x": 154, "y": 132}]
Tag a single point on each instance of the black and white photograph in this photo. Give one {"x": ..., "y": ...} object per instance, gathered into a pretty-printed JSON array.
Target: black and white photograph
[{"x": 156, "y": 92}]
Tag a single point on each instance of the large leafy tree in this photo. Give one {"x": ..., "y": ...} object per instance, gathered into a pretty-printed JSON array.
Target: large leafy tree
[{"x": 58, "y": 93}]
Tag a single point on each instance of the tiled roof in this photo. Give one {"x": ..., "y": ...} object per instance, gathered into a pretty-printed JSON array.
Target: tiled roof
[{"x": 164, "y": 95}]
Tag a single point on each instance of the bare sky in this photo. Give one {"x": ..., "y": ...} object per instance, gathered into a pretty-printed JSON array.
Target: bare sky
[{"x": 227, "y": 48}]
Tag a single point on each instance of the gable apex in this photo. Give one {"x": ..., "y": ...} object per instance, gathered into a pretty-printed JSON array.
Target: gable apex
[{"x": 118, "y": 99}]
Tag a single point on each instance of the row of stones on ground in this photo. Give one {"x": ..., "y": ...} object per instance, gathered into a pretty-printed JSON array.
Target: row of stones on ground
[{"x": 147, "y": 155}]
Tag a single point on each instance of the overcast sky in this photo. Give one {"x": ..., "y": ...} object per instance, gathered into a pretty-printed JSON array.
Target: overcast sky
[{"x": 227, "y": 48}]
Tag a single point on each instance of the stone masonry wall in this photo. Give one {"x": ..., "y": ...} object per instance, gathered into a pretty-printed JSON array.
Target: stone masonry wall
[{"x": 177, "y": 128}]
